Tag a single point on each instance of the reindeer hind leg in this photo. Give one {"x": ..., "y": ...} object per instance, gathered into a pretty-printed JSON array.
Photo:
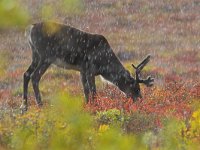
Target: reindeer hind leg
[
  {"x": 36, "y": 76},
  {"x": 26, "y": 78}
]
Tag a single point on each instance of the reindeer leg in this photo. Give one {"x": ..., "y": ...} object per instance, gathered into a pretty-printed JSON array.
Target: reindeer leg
[
  {"x": 91, "y": 82},
  {"x": 92, "y": 86},
  {"x": 27, "y": 76},
  {"x": 85, "y": 86},
  {"x": 36, "y": 76}
]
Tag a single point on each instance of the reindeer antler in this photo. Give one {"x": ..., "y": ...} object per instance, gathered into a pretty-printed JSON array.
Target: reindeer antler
[{"x": 140, "y": 67}]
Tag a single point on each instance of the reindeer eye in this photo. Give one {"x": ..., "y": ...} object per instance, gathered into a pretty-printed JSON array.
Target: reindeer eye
[{"x": 137, "y": 90}]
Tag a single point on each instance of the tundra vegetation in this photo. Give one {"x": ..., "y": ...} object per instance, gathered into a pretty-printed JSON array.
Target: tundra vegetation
[{"x": 166, "y": 117}]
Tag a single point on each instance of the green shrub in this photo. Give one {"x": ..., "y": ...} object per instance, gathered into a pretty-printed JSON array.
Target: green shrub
[
  {"x": 110, "y": 117},
  {"x": 12, "y": 14}
]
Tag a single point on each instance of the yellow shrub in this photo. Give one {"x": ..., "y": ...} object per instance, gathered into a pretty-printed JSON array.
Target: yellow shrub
[{"x": 194, "y": 129}]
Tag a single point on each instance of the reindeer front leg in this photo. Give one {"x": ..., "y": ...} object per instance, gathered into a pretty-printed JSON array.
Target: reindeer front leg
[
  {"x": 88, "y": 81},
  {"x": 92, "y": 87},
  {"x": 90, "y": 77},
  {"x": 85, "y": 86}
]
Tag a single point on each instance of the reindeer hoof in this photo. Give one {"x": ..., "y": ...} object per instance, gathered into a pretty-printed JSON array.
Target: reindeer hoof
[
  {"x": 23, "y": 108},
  {"x": 40, "y": 105}
]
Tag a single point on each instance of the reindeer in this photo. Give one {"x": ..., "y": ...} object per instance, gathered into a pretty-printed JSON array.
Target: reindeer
[{"x": 71, "y": 48}]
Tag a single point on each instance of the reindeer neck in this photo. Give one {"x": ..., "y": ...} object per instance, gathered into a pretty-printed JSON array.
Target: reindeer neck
[{"x": 115, "y": 74}]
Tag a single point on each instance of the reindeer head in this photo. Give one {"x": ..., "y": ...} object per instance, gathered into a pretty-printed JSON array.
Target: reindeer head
[{"x": 134, "y": 90}]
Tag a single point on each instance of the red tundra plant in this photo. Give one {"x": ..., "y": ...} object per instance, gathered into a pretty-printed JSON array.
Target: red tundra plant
[
  {"x": 172, "y": 99},
  {"x": 195, "y": 90},
  {"x": 109, "y": 99}
]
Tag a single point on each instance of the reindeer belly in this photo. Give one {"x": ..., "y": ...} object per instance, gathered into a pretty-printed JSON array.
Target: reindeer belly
[{"x": 63, "y": 64}]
